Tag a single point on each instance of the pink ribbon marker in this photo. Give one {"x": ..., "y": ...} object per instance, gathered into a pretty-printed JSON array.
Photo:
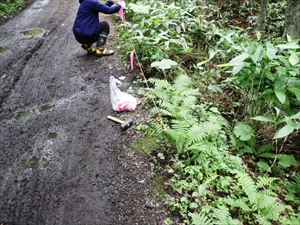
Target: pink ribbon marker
[
  {"x": 132, "y": 59},
  {"x": 121, "y": 12}
]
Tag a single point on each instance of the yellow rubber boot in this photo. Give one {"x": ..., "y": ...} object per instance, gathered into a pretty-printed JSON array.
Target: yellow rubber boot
[
  {"x": 103, "y": 52},
  {"x": 88, "y": 47}
]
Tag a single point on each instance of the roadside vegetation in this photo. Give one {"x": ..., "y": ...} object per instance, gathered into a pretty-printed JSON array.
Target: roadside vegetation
[
  {"x": 9, "y": 7},
  {"x": 224, "y": 102}
]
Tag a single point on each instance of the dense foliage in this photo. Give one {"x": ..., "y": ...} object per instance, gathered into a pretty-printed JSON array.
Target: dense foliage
[
  {"x": 8, "y": 7},
  {"x": 226, "y": 106},
  {"x": 226, "y": 102}
]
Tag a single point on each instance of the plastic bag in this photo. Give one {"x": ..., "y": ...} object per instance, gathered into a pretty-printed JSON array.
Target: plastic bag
[{"x": 120, "y": 101}]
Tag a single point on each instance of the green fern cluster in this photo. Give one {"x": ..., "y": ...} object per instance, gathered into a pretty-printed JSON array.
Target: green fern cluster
[
  {"x": 214, "y": 183},
  {"x": 257, "y": 199},
  {"x": 186, "y": 122}
]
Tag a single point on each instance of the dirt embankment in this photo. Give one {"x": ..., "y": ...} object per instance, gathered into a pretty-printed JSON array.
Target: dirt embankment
[{"x": 62, "y": 161}]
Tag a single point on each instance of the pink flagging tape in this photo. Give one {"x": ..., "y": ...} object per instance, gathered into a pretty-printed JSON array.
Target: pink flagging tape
[
  {"x": 121, "y": 12},
  {"x": 132, "y": 59}
]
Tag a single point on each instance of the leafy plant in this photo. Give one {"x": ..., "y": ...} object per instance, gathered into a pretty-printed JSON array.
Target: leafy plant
[
  {"x": 8, "y": 7},
  {"x": 182, "y": 44},
  {"x": 272, "y": 73},
  {"x": 293, "y": 189}
]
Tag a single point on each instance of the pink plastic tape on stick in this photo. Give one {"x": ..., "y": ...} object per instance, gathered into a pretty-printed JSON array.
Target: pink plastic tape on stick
[{"x": 121, "y": 12}]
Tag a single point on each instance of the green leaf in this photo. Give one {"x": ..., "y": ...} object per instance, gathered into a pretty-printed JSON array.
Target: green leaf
[
  {"x": 193, "y": 205},
  {"x": 295, "y": 116},
  {"x": 237, "y": 69},
  {"x": 202, "y": 190},
  {"x": 142, "y": 9},
  {"x": 258, "y": 35},
  {"x": 271, "y": 51},
  {"x": 164, "y": 64},
  {"x": 252, "y": 48},
  {"x": 161, "y": 155},
  {"x": 287, "y": 160},
  {"x": 289, "y": 38},
  {"x": 202, "y": 62},
  {"x": 277, "y": 111},
  {"x": 238, "y": 60},
  {"x": 243, "y": 131},
  {"x": 264, "y": 119},
  {"x": 280, "y": 94},
  {"x": 257, "y": 56},
  {"x": 291, "y": 45},
  {"x": 284, "y": 131},
  {"x": 211, "y": 55},
  {"x": 263, "y": 166},
  {"x": 295, "y": 91},
  {"x": 293, "y": 59}
]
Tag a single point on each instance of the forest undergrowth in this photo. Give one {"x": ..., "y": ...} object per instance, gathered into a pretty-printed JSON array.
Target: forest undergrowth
[
  {"x": 223, "y": 101},
  {"x": 224, "y": 105}
]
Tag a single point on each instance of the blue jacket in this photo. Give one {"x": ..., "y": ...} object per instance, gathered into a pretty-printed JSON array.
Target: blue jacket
[{"x": 87, "y": 20}]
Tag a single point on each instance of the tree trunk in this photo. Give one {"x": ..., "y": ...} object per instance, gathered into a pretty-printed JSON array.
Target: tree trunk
[
  {"x": 262, "y": 20},
  {"x": 292, "y": 19}
]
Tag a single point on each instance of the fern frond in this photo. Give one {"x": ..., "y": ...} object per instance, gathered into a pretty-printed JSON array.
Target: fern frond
[
  {"x": 265, "y": 201},
  {"x": 176, "y": 139},
  {"x": 221, "y": 214},
  {"x": 293, "y": 220},
  {"x": 238, "y": 203},
  {"x": 180, "y": 126},
  {"x": 265, "y": 181},
  {"x": 182, "y": 82},
  {"x": 199, "y": 219},
  {"x": 268, "y": 192},
  {"x": 294, "y": 186},
  {"x": 199, "y": 132},
  {"x": 262, "y": 220},
  {"x": 190, "y": 92},
  {"x": 296, "y": 178},
  {"x": 268, "y": 155},
  {"x": 185, "y": 114},
  {"x": 196, "y": 134},
  {"x": 248, "y": 186},
  {"x": 265, "y": 148},
  {"x": 154, "y": 111},
  {"x": 190, "y": 102},
  {"x": 157, "y": 129},
  {"x": 273, "y": 211},
  {"x": 168, "y": 109},
  {"x": 162, "y": 90},
  {"x": 223, "y": 217},
  {"x": 160, "y": 83},
  {"x": 199, "y": 155}
]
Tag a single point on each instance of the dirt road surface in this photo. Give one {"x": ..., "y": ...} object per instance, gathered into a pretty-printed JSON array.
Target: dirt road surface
[{"x": 61, "y": 160}]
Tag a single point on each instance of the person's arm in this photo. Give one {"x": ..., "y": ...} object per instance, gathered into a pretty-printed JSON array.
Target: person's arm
[
  {"x": 109, "y": 3},
  {"x": 103, "y": 8}
]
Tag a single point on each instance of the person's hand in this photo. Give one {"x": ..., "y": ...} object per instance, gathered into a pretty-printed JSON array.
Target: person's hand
[{"x": 122, "y": 4}]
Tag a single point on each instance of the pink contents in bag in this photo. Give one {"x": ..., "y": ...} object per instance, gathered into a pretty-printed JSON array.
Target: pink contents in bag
[{"x": 120, "y": 100}]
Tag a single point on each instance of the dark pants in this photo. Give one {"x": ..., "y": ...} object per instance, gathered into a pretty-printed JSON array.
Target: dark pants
[{"x": 103, "y": 27}]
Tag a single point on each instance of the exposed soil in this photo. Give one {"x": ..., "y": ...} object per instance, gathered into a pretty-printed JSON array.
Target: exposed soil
[{"x": 61, "y": 160}]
